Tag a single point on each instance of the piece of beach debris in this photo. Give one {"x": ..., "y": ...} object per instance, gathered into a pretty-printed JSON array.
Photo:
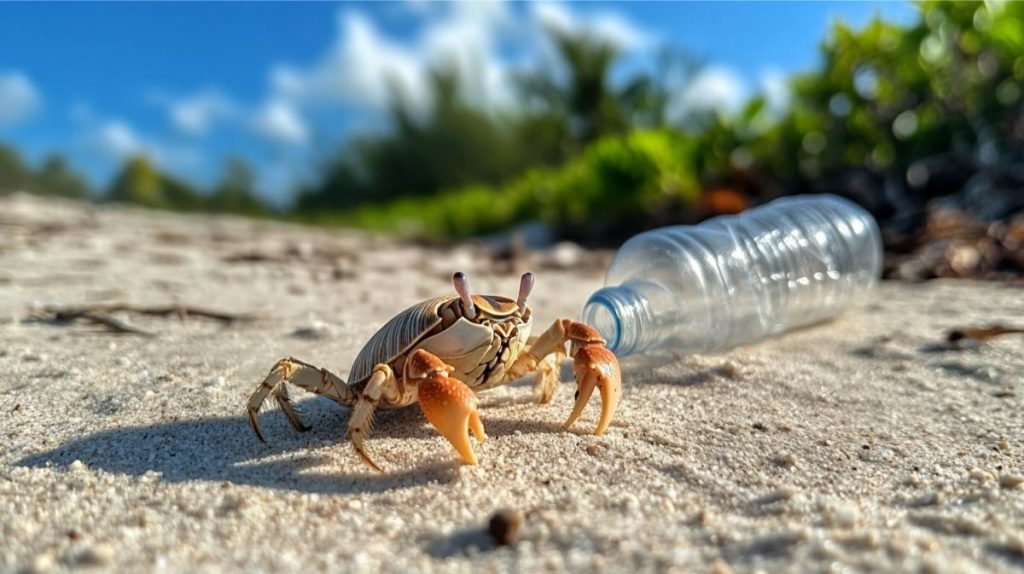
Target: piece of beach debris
[
  {"x": 979, "y": 335},
  {"x": 957, "y": 243},
  {"x": 252, "y": 257},
  {"x": 102, "y": 315},
  {"x": 505, "y": 525}
]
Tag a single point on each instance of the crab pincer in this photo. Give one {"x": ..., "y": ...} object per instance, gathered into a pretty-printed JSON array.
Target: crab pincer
[
  {"x": 595, "y": 367},
  {"x": 448, "y": 403}
]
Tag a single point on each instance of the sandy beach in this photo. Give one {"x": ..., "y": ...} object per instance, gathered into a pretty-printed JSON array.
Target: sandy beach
[{"x": 863, "y": 444}]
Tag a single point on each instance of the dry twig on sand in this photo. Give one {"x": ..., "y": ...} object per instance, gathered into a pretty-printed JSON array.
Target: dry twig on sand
[
  {"x": 102, "y": 315},
  {"x": 979, "y": 335}
]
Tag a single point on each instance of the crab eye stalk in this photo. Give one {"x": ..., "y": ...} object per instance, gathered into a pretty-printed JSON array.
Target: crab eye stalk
[
  {"x": 462, "y": 288},
  {"x": 525, "y": 287}
]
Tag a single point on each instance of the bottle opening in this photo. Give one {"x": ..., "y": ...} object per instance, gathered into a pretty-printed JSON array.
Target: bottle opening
[{"x": 600, "y": 314}]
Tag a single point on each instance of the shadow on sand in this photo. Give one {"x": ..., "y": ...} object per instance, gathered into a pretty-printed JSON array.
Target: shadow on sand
[{"x": 224, "y": 449}]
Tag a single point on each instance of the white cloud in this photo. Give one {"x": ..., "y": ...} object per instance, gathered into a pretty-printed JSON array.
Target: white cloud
[
  {"x": 364, "y": 67},
  {"x": 609, "y": 26},
  {"x": 279, "y": 120},
  {"x": 361, "y": 68},
  {"x": 19, "y": 98},
  {"x": 775, "y": 87},
  {"x": 468, "y": 40},
  {"x": 197, "y": 113},
  {"x": 117, "y": 139},
  {"x": 715, "y": 88}
]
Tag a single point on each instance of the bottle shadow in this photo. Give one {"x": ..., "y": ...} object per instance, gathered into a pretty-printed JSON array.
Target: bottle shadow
[{"x": 223, "y": 449}]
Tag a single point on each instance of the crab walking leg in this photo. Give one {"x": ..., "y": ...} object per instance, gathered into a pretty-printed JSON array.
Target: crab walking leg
[
  {"x": 284, "y": 400},
  {"x": 447, "y": 402},
  {"x": 593, "y": 364},
  {"x": 550, "y": 341},
  {"x": 382, "y": 386},
  {"x": 545, "y": 382},
  {"x": 303, "y": 375}
]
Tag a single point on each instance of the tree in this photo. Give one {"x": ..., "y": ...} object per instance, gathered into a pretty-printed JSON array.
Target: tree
[
  {"x": 234, "y": 192},
  {"x": 576, "y": 90},
  {"x": 14, "y": 174},
  {"x": 142, "y": 183},
  {"x": 138, "y": 182},
  {"x": 56, "y": 177},
  {"x": 450, "y": 144}
]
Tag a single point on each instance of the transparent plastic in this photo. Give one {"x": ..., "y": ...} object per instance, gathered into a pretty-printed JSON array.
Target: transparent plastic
[{"x": 733, "y": 280}]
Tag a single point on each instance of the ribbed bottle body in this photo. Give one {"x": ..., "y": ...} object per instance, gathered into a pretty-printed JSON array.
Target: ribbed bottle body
[{"x": 736, "y": 279}]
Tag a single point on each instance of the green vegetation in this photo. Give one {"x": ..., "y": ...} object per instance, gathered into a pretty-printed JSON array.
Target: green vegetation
[
  {"x": 566, "y": 106},
  {"x": 142, "y": 183},
  {"x": 584, "y": 198},
  {"x": 894, "y": 116},
  {"x": 138, "y": 182},
  {"x": 53, "y": 177}
]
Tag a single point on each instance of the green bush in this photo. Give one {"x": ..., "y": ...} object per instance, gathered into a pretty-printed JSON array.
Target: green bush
[{"x": 614, "y": 183}]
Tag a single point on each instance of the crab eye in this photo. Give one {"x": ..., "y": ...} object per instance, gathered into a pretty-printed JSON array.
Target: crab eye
[
  {"x": 462, "y": 288},
  {"x": 525, "y": 287}
]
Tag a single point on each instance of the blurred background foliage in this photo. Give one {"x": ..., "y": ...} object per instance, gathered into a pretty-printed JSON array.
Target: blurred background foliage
[{"x": 905, "y": 119}]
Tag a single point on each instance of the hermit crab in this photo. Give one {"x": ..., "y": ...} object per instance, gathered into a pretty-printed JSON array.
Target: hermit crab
[{"x": 438, "y": 353}]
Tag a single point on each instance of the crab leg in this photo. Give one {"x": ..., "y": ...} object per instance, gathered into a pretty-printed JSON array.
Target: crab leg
[
  {"x": 545, "y": 381},
  {"x": 447, "y": 402},
  {"x": 593, "y": 364},
  {"x": 303, "y": 375},
  {"x": 382, "y": 385}
]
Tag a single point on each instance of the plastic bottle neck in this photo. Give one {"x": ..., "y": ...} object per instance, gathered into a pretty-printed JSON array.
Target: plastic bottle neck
[{"x": 623, "y": 316}]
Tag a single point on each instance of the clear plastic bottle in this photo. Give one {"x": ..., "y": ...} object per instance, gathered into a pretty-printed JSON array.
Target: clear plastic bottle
[{"x": 735, "y": 279}]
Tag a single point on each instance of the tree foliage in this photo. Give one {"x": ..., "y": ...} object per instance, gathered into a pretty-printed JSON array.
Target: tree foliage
[
  {"x": 895, "y": 116},
  {"x": 53, "y": 177},
  {"x": 234, "y": 193},
  {"x": 141, "y": 182},
  {"x": 567, "y": 105}
]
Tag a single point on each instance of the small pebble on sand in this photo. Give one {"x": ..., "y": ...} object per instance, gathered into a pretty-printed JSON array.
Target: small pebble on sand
[
  {"x": 980, "y": 476},
  {"x": 1011, "y": 481},
  {"x": 504, "y": 526},
  {"x": 785, "y": 459},
  {"x": 730, "y": 370},
  {"x": 98, "y": 555},
  {"x": 778, "y": 495}
]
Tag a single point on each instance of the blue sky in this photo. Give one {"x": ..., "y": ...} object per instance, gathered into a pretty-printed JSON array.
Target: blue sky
[{"x": 281, "y": 85}]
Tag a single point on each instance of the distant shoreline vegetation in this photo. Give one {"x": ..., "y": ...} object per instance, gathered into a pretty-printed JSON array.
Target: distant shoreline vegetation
[{"x": 895, "y": 117}]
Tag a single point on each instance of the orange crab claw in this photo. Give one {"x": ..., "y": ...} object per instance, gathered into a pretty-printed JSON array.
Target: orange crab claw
[
  {"x": 596, "y": 367},
  {"x": 448, "y": 403}
]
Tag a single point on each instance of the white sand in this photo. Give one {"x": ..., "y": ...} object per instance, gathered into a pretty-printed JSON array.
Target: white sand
[{"x": 859, "y": 444}]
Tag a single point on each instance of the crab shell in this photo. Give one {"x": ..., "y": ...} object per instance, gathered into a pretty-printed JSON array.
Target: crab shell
[{"x": 479, "y": 349}]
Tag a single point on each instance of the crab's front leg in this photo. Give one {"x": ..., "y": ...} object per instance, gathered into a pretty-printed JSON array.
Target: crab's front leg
[{"x": 593, "y": 364}]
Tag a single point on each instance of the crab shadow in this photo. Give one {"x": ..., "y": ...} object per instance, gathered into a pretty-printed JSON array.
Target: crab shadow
[{"x": 224, "y": 450}]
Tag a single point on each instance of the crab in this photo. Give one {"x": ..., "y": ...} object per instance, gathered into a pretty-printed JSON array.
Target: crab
[{"x": 439, "y": 353}]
